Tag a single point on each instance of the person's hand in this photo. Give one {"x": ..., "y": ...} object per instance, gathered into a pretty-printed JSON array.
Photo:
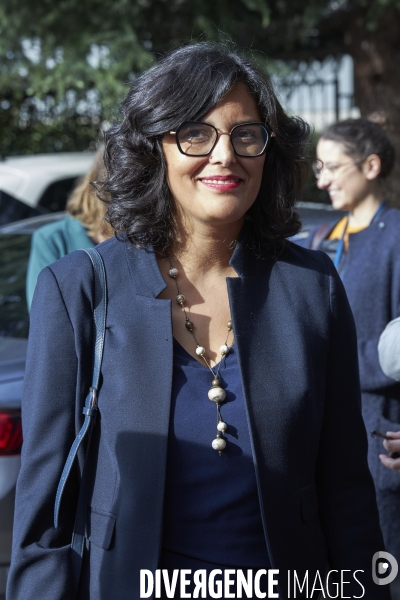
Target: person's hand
[{"x": 391, "y": 446}]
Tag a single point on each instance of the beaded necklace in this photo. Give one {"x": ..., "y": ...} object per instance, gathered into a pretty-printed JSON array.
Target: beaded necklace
[{"x": 216, "y": 394}]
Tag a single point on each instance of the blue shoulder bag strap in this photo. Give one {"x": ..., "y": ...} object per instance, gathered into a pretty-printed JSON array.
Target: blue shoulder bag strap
[{"x": 90, "y": 411}]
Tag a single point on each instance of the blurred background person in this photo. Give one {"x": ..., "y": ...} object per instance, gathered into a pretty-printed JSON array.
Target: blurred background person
[
  {"x": 84, "y": 227},
  {"x": 353, "y": 156}
]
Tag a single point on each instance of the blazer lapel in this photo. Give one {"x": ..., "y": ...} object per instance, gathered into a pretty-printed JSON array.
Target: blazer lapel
[
  {"x": 138, "y": 363},
  {"x": 152, "y": 341}
]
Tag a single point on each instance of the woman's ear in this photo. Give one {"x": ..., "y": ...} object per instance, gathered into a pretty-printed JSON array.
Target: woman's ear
[{"x": 372, "y": 167}]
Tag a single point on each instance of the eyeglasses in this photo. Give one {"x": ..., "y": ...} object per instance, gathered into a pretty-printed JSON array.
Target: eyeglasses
[
  {"x": 318, "y": 167},
  {"x": 199, "y": 139}
]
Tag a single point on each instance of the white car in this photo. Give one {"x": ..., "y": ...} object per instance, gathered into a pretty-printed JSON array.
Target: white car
[{"x": 38, "y": 184}]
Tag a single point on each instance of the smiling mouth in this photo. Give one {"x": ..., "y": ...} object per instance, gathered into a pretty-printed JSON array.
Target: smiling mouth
[{"x": 227, "y": 182}]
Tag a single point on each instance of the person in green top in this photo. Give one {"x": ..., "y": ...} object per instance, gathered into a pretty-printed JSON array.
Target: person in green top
[{"x": 83, "y": 227}]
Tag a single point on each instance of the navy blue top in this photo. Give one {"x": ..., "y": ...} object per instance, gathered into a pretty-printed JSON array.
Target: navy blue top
[{"x": 211, "y": 508}]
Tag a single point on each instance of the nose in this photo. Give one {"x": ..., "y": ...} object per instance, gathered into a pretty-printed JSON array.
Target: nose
[
  {"x": 223, "y": 152},
  {"x": 324, "y": 180}
]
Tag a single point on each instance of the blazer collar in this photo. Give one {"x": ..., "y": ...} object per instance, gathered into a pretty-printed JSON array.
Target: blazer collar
[
  {"x": 144, "y": 271},
  {"x": 243, "y": 259},
  {"x": 147, "y": 279}
]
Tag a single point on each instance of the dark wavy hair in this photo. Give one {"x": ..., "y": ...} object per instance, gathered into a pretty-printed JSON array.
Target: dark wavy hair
[
  {"x": 184, "y": 86},
  {"x": 360, "y": 138}
]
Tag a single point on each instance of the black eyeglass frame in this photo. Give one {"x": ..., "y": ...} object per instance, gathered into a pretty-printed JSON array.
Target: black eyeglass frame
[{"x": 266, "y": 127}]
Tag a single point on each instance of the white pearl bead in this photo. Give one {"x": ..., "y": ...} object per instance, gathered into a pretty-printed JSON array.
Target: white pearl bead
[
  {"x": 216, "y": 394},
  {"x": 218, "y": 444},
  {"x": 200, "y": 351},
  {"x": 224, "y": 349},
  {"x": 222, "y": 426},
  {"x": 173, "y": 272}
]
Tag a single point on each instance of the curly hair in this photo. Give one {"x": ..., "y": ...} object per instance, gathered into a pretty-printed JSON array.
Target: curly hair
[
  {"x": 184, "y": 86},
  {"x": 360, "y": 138}
]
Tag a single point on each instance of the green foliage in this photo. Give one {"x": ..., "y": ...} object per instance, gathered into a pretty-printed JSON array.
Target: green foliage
[
  {"x": 34, "y": 136},
  {"x": 64, "y": 67}
]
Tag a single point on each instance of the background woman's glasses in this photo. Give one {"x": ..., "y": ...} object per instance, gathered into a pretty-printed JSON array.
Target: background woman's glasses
[
  {"x": 198, "y": 139},
  {"x": 331, "y": 169}
]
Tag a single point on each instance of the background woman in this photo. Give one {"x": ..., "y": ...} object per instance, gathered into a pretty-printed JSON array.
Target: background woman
[
  {"x": 354, "y": 156},
  {"x": 206, "y": 301},
  {"x": 84, "y": 227}
]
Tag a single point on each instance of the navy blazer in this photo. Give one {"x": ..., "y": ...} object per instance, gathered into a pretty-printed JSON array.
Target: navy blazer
[{"x": 297, "y": 353}]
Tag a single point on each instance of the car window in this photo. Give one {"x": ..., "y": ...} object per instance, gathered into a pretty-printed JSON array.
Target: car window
[
  {"x": 14, "y": 255},
  {"x": 54, "y": 198},
  {"x": 12, "y": 209}
]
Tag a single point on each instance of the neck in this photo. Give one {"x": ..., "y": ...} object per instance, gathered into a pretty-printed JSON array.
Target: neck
[
  {"x": 362, "y": 214},
  {"x": 206, "y": 249}
]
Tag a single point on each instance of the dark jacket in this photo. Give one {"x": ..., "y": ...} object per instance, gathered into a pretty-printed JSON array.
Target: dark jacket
[
  {"x": 296, "y": 347},
  {"x": 371, "y": 277}
]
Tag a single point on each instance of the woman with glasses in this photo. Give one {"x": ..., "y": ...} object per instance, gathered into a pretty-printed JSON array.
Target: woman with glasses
[
  {"x": 354, "y": 157},
  {"x": 220, "y": 449}
]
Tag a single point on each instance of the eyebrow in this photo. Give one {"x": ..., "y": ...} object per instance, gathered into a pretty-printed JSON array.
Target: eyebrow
[{"x": 244, "y": 122}]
